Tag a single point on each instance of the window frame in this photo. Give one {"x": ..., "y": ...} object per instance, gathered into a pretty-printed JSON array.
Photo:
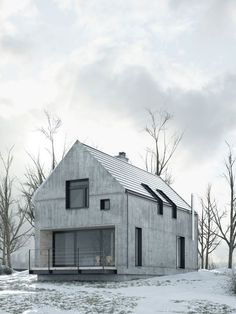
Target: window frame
[
  {"x": 157, "y": 198},
  {"x": 180, "y": 252},
  {"x": 84, "y": 187},
  {"x": 138, "y": 247},
  {"x": 76, "y": 242},
  {"x": 102, "y": 204}
]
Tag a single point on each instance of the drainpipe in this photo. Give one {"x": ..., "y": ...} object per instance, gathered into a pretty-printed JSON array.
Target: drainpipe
[
  {"x": 127, "y": 230},
  {"x": 192, "y": 207}
]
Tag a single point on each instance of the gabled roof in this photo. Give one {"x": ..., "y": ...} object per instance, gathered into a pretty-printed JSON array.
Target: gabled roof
[{"x": 132, "y": 177}]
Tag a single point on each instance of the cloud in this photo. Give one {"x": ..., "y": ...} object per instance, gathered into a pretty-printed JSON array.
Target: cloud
[
  {"x": 207, "y": 115},
  {"x": 116, "y": 59}
]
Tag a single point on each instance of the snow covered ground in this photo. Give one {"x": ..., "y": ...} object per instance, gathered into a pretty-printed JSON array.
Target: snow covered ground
[{"x": 205, "y": 292}]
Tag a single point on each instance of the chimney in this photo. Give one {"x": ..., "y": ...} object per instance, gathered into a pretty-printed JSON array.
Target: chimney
[{"x": 122, "y": 156}]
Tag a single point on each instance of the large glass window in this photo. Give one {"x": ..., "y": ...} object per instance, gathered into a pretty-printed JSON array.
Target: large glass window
[
  {"x": 95, "y": 247},
  {"x": 77, "y": 192},
  {"x": 64, "y": 249},
  {"x": 108, "y": 240},
  {"x": 89, "y": 247}
]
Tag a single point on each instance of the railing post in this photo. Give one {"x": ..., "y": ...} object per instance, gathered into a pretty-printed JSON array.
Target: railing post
[
  {"x": 103, "y": 260},
  {"x": 78, "y": 260},
  {"x": 48, "y": 260},
  {"x": 29, "y": 261}
]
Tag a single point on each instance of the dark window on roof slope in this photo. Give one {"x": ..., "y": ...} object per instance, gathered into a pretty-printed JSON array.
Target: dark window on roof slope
[
  {"x": 153, "y": 194},
  {"x": 173, "y": 205},
  {"x": 160, "y": 208},
  {"x": 105, "y": 204},
  {"x": 174, "y": 212},
  {"x": 77, "y": 192}
]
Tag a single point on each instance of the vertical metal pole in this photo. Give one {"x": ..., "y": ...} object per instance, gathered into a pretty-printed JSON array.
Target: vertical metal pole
[
  {"x": 127, "y": 232},
  {"x": 192, "y": 206},
  {"x": 48, "y": 260},
  {"x": 29, "y": 260},
  {"x": 78, "y": 259}
]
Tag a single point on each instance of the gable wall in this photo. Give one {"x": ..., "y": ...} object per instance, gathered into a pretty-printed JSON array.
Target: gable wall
[{"x": 51, "y": 213}]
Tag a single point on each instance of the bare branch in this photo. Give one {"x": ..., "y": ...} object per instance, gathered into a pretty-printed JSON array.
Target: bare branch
[{"x": 165, "y": 145}]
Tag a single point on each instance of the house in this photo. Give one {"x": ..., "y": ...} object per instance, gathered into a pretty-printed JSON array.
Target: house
[{"x": 99, "y": 217}]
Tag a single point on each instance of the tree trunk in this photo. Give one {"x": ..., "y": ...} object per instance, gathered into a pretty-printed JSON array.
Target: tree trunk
[
  {"x": 207, "y": 260},
  {"x": 202, "y": 262},
  {"x": 230, "y": 260},
  {"x": 4, "y": 251},
  {"x": 8, "y": 246}
]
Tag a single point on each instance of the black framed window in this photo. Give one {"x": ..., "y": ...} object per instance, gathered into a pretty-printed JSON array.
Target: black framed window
[
  {"x": 138, "y": 247},
  {"x": 77, "y": 194},
  {"x": 153, "y": 194},
  {"x": 173, "y": 205},
  {"x": 180, "y": 252},
  {"x": 89, "y": 247},
  {"x": 160, "y": 208},
  {"x": 105, "y": 204},
  {"x": 174, "y": 211}
]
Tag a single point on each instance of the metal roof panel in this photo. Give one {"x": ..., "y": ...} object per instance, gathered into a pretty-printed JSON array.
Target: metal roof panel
[{"x": 131, "y": 177}]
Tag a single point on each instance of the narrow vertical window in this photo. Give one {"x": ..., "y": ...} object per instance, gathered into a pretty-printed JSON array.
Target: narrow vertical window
[
  {"x": 174, "y": 211},
  {"x": 138, "y": 247},
  {"x": 160, "y": 208},
  {"x": 180, "y": 252}
]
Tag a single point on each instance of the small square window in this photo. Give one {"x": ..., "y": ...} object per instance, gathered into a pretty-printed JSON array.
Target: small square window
[{"x": 105, "y": 204}]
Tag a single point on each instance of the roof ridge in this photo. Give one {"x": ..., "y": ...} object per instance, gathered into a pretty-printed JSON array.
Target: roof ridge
[{"x": 125, "y": 162}]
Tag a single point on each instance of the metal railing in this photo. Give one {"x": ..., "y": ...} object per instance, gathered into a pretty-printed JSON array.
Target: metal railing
[{"x": 51, "y": 258}]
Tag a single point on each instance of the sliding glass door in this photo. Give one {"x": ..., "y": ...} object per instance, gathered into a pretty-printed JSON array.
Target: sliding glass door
[
  {"x": 64, "y": 249},
  {"x": 90, "y": 247}
]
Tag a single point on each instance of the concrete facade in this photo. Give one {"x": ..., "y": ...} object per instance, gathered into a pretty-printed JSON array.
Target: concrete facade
[{"x": 127, "y": 211}]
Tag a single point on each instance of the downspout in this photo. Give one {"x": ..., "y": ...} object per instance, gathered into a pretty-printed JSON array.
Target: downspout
[
  {"x": 192, "y": 207},
  {"x": 127, "y": 235}
]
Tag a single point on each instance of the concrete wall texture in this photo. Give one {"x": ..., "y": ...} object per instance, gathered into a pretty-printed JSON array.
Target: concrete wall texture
[{"x": 127, "y": 211}]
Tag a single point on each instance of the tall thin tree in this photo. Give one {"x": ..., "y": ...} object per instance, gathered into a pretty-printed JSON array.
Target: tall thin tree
[
  {"x": 53, "y": 124},
  {"x": 165, "y": 144},
  {"x": 228, "y": 232},
  {"x": 207, "y": 229},
  {"x": 12, "y": 218},
  {"x": 34, "y": 177},
  {"x": 37, "y": 173}
]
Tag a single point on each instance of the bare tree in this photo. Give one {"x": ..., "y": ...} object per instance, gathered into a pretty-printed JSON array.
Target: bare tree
[
  {"x": 228, "y": 233},
  {"x": 53, "y": 124},
  {"x": 34, "y": 177},
  {"x": 11, "y": 216},
  {"x": 159, "y": 156},
  {"x": 208, "y": 230},
  {"x": 36, "y": 173}
]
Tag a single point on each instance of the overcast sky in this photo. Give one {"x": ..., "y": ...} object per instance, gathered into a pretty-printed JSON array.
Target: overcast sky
[{"x": 99, "y": 64}]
